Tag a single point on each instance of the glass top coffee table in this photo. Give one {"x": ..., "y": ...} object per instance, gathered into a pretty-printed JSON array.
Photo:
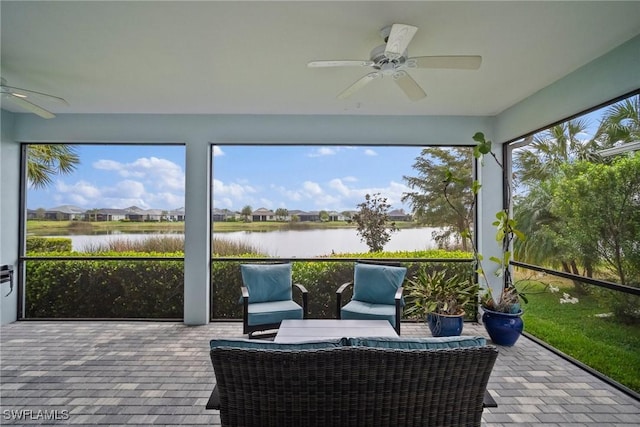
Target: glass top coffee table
[{"x": 297, "y": 330}]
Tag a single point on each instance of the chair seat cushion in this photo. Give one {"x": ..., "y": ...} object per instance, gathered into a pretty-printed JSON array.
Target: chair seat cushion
[
  {"x": 267, "y": 282},
  {"x": 377, "y": 284},
  {"x": 364, "y": 310},
  {"x": 264, "y": 313}
]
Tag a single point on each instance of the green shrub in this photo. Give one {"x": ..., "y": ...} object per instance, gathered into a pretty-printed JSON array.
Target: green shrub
[
  {"x": 105, "y": 289},
  {"x": 134, "y": 288},
  {"x": 48, "y": 244}
]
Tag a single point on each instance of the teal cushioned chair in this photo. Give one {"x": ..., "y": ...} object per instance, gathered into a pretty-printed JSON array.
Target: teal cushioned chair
[
  {"x": 377, "y": 293},
  {"x": 267, "y": 297}
]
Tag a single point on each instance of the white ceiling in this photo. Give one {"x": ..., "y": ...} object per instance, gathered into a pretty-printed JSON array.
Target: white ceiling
[{"x": 213, "y": 57}]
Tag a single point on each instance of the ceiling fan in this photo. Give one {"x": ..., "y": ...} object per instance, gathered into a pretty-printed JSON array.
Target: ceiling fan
[
  {"x": 391, "y": 59},
  {"x": 27, "y": 99}
]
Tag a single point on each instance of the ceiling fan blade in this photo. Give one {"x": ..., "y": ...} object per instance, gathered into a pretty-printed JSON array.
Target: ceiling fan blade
[
  {"x": 30, "y": 106},
  {"x": 339, "y": 63},
  {"x": 409, "y": 86},
  {"x": 25, "y": 93},
  {"x": 399, "y": 38},
  {"x": 454, "y": 62},
  {"x": 359, "y": 84}
]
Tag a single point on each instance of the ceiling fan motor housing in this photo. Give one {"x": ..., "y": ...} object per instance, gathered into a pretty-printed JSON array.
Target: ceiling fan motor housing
[{"x": 382, "y": 62}]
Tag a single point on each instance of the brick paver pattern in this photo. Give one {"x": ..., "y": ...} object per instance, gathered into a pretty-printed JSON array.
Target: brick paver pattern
[{"x": 160, "y": 374}]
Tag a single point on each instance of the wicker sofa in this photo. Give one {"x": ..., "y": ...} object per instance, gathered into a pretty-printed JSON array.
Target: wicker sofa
[{"x": 352, "y": 382}]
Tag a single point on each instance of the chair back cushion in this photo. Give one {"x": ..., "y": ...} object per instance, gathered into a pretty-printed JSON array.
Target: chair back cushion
[
  {"x": 270, "y": 345},
  {"x": 267, "y": 282},
  {"x": 427, "y": 343},
  {"x": 377, "y": 284}
]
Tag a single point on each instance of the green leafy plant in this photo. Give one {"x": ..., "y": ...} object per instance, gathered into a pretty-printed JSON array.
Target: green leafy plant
[
  {"x": 434, "y": 292},
  {"x": 506, "y": 233}
]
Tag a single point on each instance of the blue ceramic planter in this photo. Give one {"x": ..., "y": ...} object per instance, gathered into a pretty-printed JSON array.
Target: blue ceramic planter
[
  {"x": 503, "y": 328},
  {"x": 445, "y": 326}
]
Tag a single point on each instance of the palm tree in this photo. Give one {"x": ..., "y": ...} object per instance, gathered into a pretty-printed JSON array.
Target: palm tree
[
  {"x": 535, "y": 166},
  {"x": 551, "y": 149},
  {"x": 46, "y": 160},
  {"x": 620, "y": 123}
]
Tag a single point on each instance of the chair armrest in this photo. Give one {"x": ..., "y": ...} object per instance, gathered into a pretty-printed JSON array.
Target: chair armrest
[
  {"x": 398, "y": 295},
  {"x": 339, "y": 292},
  {"x": 245, "y": 305},
  {"x": 301, "y": 287},
  {"x": 305, "y": 299},
  {"x": 343, "y": 287},
  {"x": 399, "y": 305}
]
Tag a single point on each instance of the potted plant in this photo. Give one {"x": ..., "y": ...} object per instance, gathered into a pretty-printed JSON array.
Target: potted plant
[
  {"x": 501, "y": 314},
  {"x": 440, "y": 300}
]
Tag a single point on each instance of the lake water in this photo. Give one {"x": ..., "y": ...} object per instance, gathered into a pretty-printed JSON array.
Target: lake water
[{"x": 290, "y": 243}]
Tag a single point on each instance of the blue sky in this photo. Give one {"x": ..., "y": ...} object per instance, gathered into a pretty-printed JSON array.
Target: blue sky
[
  {"x": 309, "y": 177},
  {"x": 293, "y": 177},
  {"x": 118, "y": 176}
]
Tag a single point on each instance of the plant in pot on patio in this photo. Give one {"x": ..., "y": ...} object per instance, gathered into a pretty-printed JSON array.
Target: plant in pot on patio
[
  {"x": 440, "y": 300},
  {"x": 501, "y": 314}
]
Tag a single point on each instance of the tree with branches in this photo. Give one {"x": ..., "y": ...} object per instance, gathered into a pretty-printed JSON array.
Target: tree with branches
[{"x": 372, "y": 221}]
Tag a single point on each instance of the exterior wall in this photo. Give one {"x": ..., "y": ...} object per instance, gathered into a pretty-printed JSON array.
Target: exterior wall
[{"x": 9, "y": 214}]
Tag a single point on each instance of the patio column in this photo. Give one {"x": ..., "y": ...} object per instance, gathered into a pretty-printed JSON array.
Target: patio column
[
  {"x": 9, "y": 201},
  {"x": 197, "y": 233},
  {"x": 490, "y": 201}
]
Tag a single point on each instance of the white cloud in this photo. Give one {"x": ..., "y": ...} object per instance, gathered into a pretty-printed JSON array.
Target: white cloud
[
  {"x": 217, "y": 151},
  {"x": 339, "y": 186},
  {"x": 292, "y": 195},
  {"x": 323, "y": 151},
  {"x": 266, "y": 203},
  {"x": 156, "y": 172},
  {"x": 224, "y": 203},
  {"x": 232, "y": 190},
  {"x": 80, "y": 189},
  {"x": 312, "y": 188},
  {"x": 165, "y": 199},
  {"x": 327, "y": 202},
  {"x": 370, "y": 152},
  {"x": 105, "y": 164},
  {"x": 126, "y": 189}
]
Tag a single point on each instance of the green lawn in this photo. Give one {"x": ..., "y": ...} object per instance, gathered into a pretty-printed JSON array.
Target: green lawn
[{"x": 606, "y": 345}]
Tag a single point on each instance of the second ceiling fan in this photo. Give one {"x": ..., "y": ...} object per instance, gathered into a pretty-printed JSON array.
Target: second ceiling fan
[{"x": 391, "y": 59}]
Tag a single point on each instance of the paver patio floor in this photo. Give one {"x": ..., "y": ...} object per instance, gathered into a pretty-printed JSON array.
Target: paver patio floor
[{"x": 160, "y": 374}]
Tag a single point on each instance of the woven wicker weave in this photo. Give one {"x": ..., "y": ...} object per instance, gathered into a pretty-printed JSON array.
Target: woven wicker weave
[{"x": 352, "y": 386}]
